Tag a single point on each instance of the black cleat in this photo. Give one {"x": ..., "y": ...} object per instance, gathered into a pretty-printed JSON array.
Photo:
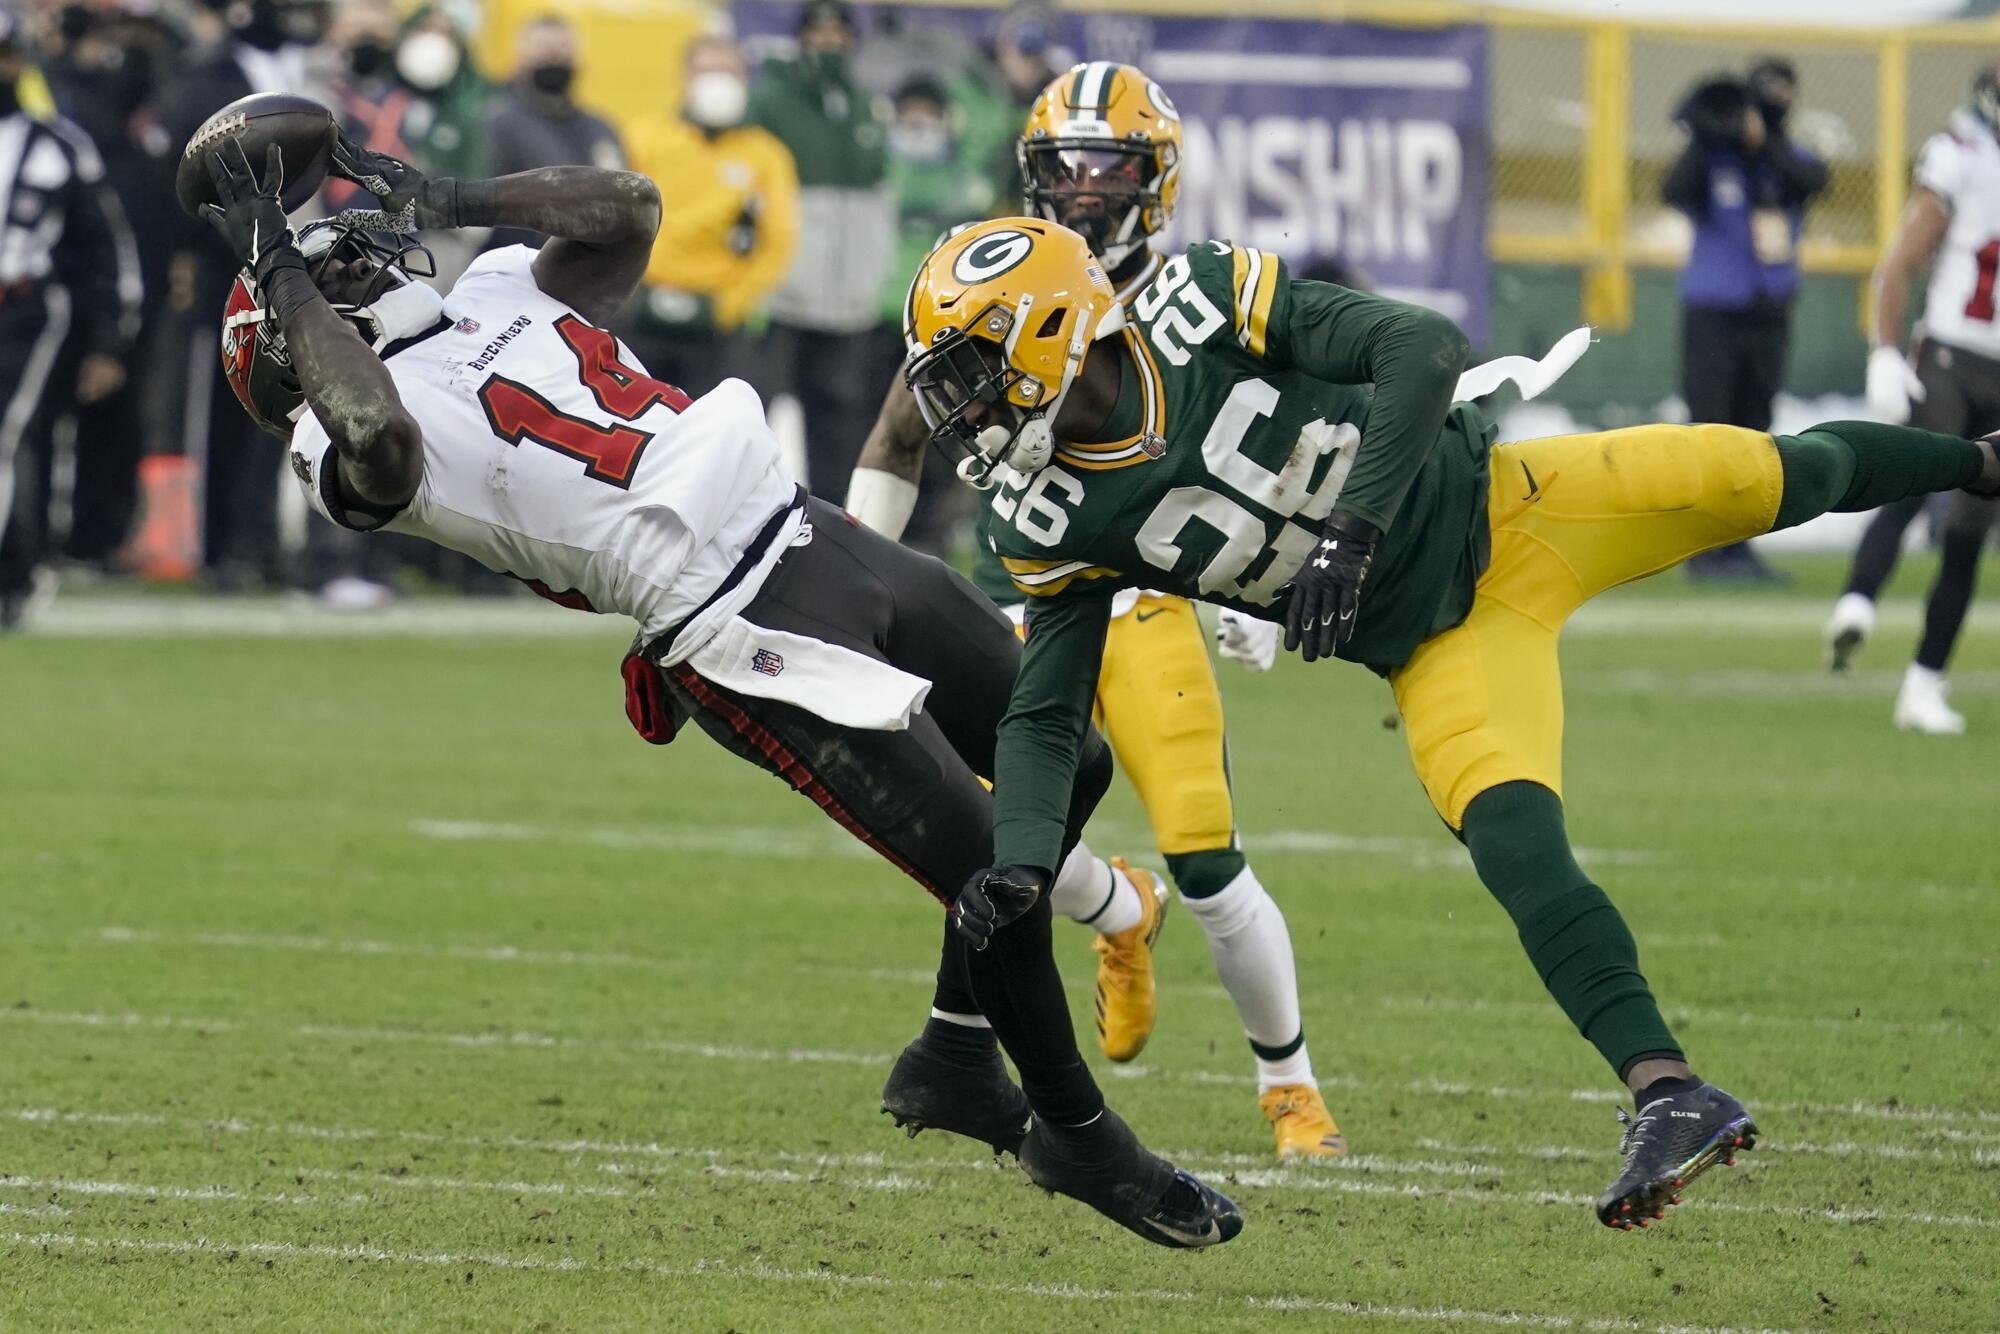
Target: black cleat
[
  {"x": 931, "y": 1090},
  {"x": 1668, "y": 1144},
  {"x": 1104, "y": 1165}
]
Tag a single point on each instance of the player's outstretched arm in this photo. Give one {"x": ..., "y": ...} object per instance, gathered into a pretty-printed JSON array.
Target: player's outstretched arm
[
  {"x": 882, "y": 492},
  {"x": 346, "y": 385},
  {"x": 602, "y": 222}
]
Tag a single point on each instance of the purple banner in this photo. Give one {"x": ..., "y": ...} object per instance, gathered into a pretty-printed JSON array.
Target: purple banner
[{"x": 1342, "y": 140}]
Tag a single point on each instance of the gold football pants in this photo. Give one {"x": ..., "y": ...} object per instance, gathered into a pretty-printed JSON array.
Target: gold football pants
[{"x": 1572, "y": 516}]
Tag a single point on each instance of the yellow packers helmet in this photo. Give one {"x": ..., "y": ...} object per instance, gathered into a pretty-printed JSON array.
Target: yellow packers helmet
[
  {"x": 1101, "y": 155},
  {"x": 997, "y": 322}
]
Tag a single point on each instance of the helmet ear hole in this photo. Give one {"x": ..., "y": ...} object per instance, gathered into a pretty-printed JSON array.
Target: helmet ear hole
[{"x": 1052, "y": 322}]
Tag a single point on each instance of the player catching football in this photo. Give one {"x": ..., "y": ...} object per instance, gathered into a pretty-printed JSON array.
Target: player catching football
[
  {"x": 1101, "y": 154},
  {"x": 504, "y": 422},
  {"x": 1220, "y": 441}
]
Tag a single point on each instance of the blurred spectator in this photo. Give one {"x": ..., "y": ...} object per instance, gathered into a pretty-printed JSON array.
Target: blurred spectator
[
  {"x": 827, "y": 346},
  {"x": 260, "y": 47},
  {"x": 369, "y": 100},
  {"x": 1023, "y": 46},
  {"x": 1745, "y": 186},
  {"x": 450, "y": 96},
  {"x": 937, "y": 187},
  {"x": 533, "y": 121},
  {"x": 101, "y": 67},
  {"x": 730, "y": 221},
  {"x": 64, "y": 255}
]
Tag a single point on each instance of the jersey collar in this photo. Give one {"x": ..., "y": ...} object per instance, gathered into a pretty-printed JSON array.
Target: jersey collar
[{"x": 1150, "y": 440}]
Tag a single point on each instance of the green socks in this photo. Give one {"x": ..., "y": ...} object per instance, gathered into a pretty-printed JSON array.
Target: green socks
[
  {"x": 1573, "y": 935},
  {"x": 1851, "y": 466}
]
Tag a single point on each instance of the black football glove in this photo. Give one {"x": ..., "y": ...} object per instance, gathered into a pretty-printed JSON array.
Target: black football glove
[
  {"x": 993, "y": 898},
  {"x": 1326, "y": 592},
  {"x": 249, "y": 215},
  {"x": 408, "y": 199}
]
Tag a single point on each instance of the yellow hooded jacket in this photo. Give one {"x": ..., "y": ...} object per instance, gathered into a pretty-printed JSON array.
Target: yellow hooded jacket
[{"x": 706, "y": 183}]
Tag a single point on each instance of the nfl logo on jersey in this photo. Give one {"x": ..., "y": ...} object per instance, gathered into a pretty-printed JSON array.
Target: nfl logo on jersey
[
  {"x": 767, "y": 662},
  {"x": 468, "y": 325}
]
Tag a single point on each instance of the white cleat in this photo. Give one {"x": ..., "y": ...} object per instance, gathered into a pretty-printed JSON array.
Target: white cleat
[
  {"x": 1853, "y": 620},
  {"x": 1921, "y": 706}
]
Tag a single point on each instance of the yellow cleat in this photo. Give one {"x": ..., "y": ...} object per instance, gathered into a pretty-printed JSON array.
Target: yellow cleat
[
  {"x": 1126, "y": 1002},
  {"x": 1301, "y": 1122}
]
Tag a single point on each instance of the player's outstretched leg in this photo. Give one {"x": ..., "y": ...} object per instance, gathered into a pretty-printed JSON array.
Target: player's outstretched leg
[
  {"x": 1586, "y": 957},
  {"x": 1252, "y": 949},
  {"x": 1126, "y": 907}
]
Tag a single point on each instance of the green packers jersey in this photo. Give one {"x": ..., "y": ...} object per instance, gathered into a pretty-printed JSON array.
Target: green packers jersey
[
  {"x": 1234, "y": 457},
  {"x": 1239, "y": 428}
]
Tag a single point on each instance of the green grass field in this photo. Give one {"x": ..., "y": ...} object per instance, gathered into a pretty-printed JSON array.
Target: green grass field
[{"x": 365, "y": 980}]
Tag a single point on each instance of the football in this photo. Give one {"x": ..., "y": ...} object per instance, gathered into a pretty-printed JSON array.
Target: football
[{"x": 303, "y": 130}]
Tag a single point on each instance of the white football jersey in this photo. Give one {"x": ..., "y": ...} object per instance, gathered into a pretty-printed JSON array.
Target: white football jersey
[
  {"x": 1962, "y": 166},
  {"x": 551, "y": 456}
]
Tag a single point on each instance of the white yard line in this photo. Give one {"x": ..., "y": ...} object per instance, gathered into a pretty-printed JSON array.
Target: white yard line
[
  {"x": 149, "y": 1191},
  {"x": 1348, "y": 1176},
  {"x": 880, "y": 1060},
  {"x": 1683, "y": 1013},
  {"x": 822, "y": 841},
  {"x": 727, "y": 1271},
  {"x": 299, "y": 617}
]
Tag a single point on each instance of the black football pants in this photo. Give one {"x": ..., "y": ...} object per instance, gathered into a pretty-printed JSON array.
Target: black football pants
[
  {"x": 915, "y": 796},
  {"x": 1961, "y": 397}
]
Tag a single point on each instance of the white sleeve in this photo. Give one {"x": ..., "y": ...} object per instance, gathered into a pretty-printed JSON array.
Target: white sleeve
[
  {"x": 1942, "y": 166},
  {"x": 497, "y": 270},
  {"x": 309, "y": 450},
  {"x": 312, "y": 460}
]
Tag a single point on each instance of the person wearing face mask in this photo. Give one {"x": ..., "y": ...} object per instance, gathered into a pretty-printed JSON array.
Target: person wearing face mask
[
  {"x": 62, "y": 265},
  {"x": 1744, "y": 185},
  {"x": 728, "y": 226},
  {"x": 262, "y": 48},
  {"x": 449, "y": 95},
  {"x": 535, "y": 122},
  {"x": 371, "y": 104},
  {"x": 827, "y": 346}
]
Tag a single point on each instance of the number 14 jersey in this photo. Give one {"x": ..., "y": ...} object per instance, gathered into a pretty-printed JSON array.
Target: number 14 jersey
[
  {"x": 549, "y": 455},
  {"x": 1228, "y": 458}
]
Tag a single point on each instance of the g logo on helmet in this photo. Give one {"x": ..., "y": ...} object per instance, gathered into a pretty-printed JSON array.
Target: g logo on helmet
[
  {"x": 990, "y": 256},
  {"x": 1161, "y": 102}
]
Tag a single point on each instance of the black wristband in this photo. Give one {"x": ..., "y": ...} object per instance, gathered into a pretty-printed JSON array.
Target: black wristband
[
  {"x": 1350, "y": 526},
  {"x": 438, "y": 204},
  {"x": 287, "y": 284},
  {"x": 473, "y": 203}
]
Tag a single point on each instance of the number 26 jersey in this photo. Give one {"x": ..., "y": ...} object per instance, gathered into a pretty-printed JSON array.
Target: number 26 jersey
[
  {"x": 551, "y": 456},
  {"x": 1229, "y": 456}
]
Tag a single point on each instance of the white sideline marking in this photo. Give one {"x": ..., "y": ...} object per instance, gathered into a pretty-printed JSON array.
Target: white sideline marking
[
  {"x": 248, "y": 940},
  {"x": 822, "y": 1056},
  {"x": 1278, "y": 1178},
  {"x": 299, "y": 617},
  {"x": 35, "y": 1210},
  {"x": 1316, "y": 1176},
  {"x": 1836, "y": 1149},
  {"x": 1682, "y": 1014},
  {"x": 785, "y": 841},
  {"x": 73, "y": 1186},
  {"x": 1442, "y": 1315}
]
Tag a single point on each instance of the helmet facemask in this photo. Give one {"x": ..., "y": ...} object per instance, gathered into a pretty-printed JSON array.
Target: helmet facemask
[
  {"x": 1109, "y": 193},
  {"x": 389, "y": 304},
  {"x": 974, "y": 398}
]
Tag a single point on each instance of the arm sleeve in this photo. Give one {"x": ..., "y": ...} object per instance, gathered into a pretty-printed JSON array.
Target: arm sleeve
[
  {"x": 96, "y": 258},
  {"x": 1686, "y": 183},
  {"x": 1412, "y": 355},
  {"x": 1041, "y": 736}
]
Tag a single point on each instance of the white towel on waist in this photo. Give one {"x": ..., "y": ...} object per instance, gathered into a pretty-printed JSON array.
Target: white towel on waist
[{"x": 846, "y": 688}]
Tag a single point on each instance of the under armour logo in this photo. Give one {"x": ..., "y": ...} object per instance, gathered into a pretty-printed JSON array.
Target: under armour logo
[{"x": 1324, "y": 560}]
